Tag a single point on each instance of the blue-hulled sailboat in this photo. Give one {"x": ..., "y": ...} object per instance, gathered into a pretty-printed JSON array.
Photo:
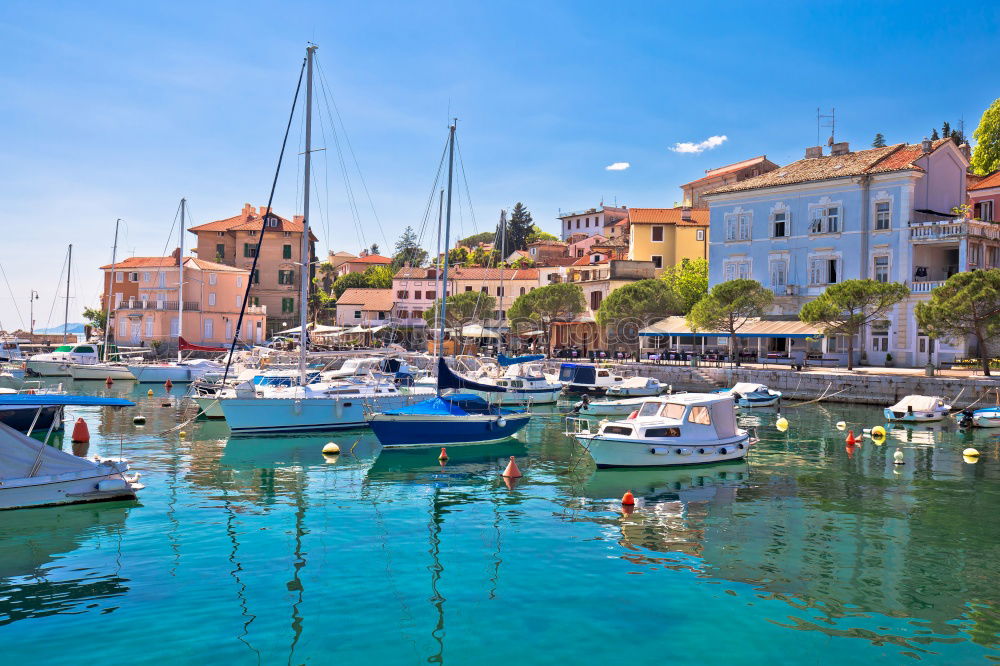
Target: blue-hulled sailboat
[{"x": 458, "y": 418}]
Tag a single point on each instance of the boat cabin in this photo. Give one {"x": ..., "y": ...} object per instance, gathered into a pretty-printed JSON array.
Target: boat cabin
[{"x": 693, "y": 416}]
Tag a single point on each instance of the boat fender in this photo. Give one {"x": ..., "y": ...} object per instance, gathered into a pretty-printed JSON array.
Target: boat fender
[
  {"x": 501, "y": 422},
  {"x": 112, "y": 484},
  {"x": 701, "y": 452},
  {"x": 739, "y": 446},
  {"x": 634, "y": 414},
  {"x": 659, "y": 450},
  {"x": 723, "y": 451},
  {"x": 683, "y": 452}
]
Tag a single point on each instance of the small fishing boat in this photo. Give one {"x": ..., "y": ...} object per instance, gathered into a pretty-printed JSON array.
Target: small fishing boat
[
  {"x": 986, "y": 417},
  {"x": 749, "y": 394},
  {"x": 32, "y": 473},
  {"x": 524, "y": 381},
  {"x": 684, "y": 429},
  {"x": 634, "y": 387},
  {"x": 581, "y": 378},
  {"x": 918, "y": 409},
  {"x": 178, "y": 372},
  {"x": 24, "y": 416},
  {"x": 622, "y": 407},
  {"x": 100, "y": 371}
]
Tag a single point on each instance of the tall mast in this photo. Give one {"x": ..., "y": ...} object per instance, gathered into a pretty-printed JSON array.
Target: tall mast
[
  {"x": 447, "y": 236},
  {"x": 304, "y": 293},
  {"x": 503, "y": 257},
  {"x": 437, "y": 278},
  {"x": 111, "y": 288},
  {"x": 180, "y": 284},
  {"x": 69, "y": 270}
]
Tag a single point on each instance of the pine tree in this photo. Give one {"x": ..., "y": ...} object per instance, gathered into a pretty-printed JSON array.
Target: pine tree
[
  {"x": 934, "y": 135},
  {"x": 519, "y": 228},
  {"x": 879, "y": 141},
  {"x": 945, "y": 129},
  {"x": 408, "y": 250}
]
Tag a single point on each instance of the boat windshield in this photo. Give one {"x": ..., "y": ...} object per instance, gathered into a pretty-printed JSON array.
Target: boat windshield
[
  {"x": 63, "y": 348},
  {"x": 672, "y": 410},
  {"x": 649, "y": 409}
]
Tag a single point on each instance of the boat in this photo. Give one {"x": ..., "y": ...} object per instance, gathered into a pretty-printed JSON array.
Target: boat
[
  {"x": 57, "y": 362},
  {"x": 24, "y": 416},
  {"x": 683, "y": 429},
  {"x": 623, "y": 407},
  {"x": 32, "y": 473},
  {"x": 918, "y": 409},
  {"x": 985, "y": 417},
  {"x": 177, "y": 372},
  {"x": 524, "y": 381},
  {"x": 749, "y": 394},
  {"x": 101, "y": 371},
  {"x": 634, "y": 387},
  {"x": 462, "y": 418},
  {"x": 581, "y": 378},
  {"x": 10, "y": 349}
]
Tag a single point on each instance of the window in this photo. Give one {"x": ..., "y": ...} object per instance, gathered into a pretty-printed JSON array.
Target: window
[
  {"x": 357, "y": 314},
  {"x": 657, "y": 234},
  {"x": 251, "y": 233},
  {"x": 779, "y": 224},
  {"x": 825, "y": 220},
  {"x": 288, "y": 305},
  {"x": 134, "y": 277},
  {"x": 239, "y": 301},
  {"x": 500, "y": 291},
  {"x": 211, "y": 298},
  {"x": 700, "y": 415},
  {"x": 255, "y": 276},
  {"x": 119, "y": 276},
  {"x": 220, "y": 233},
  {"x": 239, "y": 280},
  {"x": 657, "y": 260},
  {"x": 468, "y": 288},
  {"x": 209, "y": 329},
  {"x": 569, "y": 224},
  {"x": 578, "y": 224},
  {"x": 522, "y": 291},
  {"x": 272, "y": 221},
  {"x": 485, "y": 290},
  {"x": 402, "y": 293},
  {"x": 286, "y": 277},
  {"x": 733, "y": 270},
  {"x": 249, "y": 250},
  {"x": 212, "y": 278},
  {"x": 738, "y": 226},
  {"x": 700, "y": 234},
  {"x": 823, "y": 270},
  {"x": 123, "y": 328},
  {"x": 146, "y": 276},
  {"x": 883, "y": 215},
  {"x": 418, "y": 295},
  {"x": 880, "y": 336},
  {"x": 663, "y": 432},
  {"x": 286, "y": 251},
  {"x": 429, "y": 295},
  {"x": 595, "y": 300},
  {"x": 779, "y": 274},
  {"x": 220, "y": 251},
  {"x": 255, "y": 300},
  {"x": 881, "y": 268},
  {"x": 149, "y": 328},
  {"x": 985, "y": 210}
]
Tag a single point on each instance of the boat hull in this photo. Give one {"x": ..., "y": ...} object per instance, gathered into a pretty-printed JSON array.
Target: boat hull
[
  {"x": 22, "y": 416},
  {"x": 747, "y": 403},
  {"x": 49, "y": 491},
  {"x": 48, "y": 368},
  {"x": 100, "y": 372},
  {"x": 409, "y": 430},
  {"x": 625, "y": 452},
  {"x": 610, "y": 408},
  {"x": 632, "y": 392},
  {"x": 584, "y": 389},
  {"x": 515, "y": 397},
  {"x": 210, "y": 407},
  {"x": 177, "y": 374},
  {"x": 262, "y": 415},
  {"x": 916, "y": 417}
]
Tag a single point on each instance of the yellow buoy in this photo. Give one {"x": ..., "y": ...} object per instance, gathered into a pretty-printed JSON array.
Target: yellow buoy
[
  {"x": 182, "y": 434},
  {"x": 878, "y": 432},
  {"x": 150, "y": 393},
  {"x": 972, "y": 453},
  {"x": 781, "y": 424},
  {"x": 841, "y": 425},
  {"x": 331, "y": 449}
]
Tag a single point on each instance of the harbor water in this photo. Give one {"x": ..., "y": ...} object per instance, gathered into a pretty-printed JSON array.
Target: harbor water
[{"x": 260, "y": 550}]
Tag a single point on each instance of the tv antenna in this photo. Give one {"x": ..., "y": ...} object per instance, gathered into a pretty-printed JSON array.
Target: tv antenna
[{"x": 826, "y": 120}]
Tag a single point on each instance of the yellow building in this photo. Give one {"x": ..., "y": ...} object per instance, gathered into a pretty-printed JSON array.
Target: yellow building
[{"x": 666, "y": 236}]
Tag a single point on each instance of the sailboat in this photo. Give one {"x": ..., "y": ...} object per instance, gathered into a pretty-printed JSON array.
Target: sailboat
[
  {"x": 459, "y": 418},
  {"x": 309, "y": 406}
]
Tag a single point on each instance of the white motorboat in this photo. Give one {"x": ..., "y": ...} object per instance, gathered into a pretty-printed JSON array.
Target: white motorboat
[
  {"x": 985, "y": 417},
  {"x": 56, "y": 363},
  {"x": 918, "y": 409},
  {"x": 523, "y": 381},
  {"x": 10, "y": 349},
  {"x": 684, "y": 429},
  {"x": 177, "y": 371},
  {"x": 580, "y": 378},
  {"x": 633, "y": 387},
  {"x": 32, "y": 473},
  {"x": 622, "y": 407},
  {"x": 750, "y": 394},
  {"x": 101, "y": 371}
]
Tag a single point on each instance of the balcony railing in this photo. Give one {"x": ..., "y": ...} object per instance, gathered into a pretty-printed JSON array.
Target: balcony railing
[
  {"x": 952, "y": 230},
  {"x": 157, "y": 305},
  {"x": 252, "y": 309},
  {"x": 925, "y": 287}
]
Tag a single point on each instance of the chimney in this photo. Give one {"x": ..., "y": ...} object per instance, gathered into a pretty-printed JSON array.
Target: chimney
[
  {"x": 298, "y": 218},
  {"x": 925, "y": 145},
  {"x": 966, "y": 151},
  {"x": 814, "y": 152},
  {"x": 686, "y": 213},
  {"x": 263, "y": 209},
  {"x": 247, "y": 210},
  {"x": 364, "y": 253},
  {"x": 841, "y": 148}
]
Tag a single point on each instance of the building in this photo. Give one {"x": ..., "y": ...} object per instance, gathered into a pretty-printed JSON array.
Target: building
[
  {"x": 144, "y": 295},
  {"x": 416, "y": 289},
  {"x": 361, "y": 264},
  {"x": 984, "y": 198},
  {"x": 543, "y": 251},
  {"x": 364, "y": 307},
  {"x": 276, "y": 282},
  {"x": 591, "y": 221},
  {"x": 715, "y": 178},
  {"x": 667, "y": 236},
  {"x": 335, "y": 259},
  {"x": 881, "y": 213}
]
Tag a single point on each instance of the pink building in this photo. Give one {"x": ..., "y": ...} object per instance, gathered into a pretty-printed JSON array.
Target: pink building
[
  {"x": 362, "y": 263},
  {"x": 984, "y": 197},
  {"x": 144, "y": 295}
]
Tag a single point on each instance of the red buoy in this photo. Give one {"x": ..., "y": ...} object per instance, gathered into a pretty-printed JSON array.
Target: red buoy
[
  {"x": 851, "y": 440},
  {"x": 628, "y": 499},
  {"x": 109, "y": 381},
  {"x": 81, "y": 434},
  {"x": 512, "y": 471},
  {"x": 444, "y": 454},
  {"x": 168, "y": 384}
]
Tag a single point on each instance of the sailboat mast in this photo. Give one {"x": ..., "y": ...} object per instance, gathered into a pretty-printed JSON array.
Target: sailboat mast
[
  {"x": 111, "y": 288},
  {"x": 437, "y": 279},
  {"x": 180, "y": 284},
  {"x": 69, "y": 271},
  {"x": 447, "y": 236},
  {"x": 503, "y": 257},
  {"x": 304, "y": 293}
]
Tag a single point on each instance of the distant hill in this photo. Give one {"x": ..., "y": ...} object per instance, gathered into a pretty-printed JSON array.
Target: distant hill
[{"x": 75, "y": 328}]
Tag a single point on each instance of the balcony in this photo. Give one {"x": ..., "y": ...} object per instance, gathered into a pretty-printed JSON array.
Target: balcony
[
  {"x": 952, "y": 230},
  {"x": 251, "y": 309},
  {"x": 925, "y": 287},
  {"x": 157, "y": 305}
]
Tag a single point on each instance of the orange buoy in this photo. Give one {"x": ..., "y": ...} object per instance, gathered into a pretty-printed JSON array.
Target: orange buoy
[
  {"x": 444, "y": 454},
  {"x": 512, "y": 471},
  {"x": 851, "y": 439},
  {"x": 168, "y": 384},
  {"x": 628, "y": 499},
  {"x": 81, "y": 433},
  {"x": 634, "y": 414},
  {"x": 109, "y": 381}
]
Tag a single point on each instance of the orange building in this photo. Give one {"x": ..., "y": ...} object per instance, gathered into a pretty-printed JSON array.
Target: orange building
[{"x": 144, "y": 295}]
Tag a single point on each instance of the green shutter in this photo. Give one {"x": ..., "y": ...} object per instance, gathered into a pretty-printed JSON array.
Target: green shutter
[{"x": 286, "y": 251}]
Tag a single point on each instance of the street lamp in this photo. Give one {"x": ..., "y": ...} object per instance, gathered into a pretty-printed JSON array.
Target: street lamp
[{"x": 31, "y": 316}]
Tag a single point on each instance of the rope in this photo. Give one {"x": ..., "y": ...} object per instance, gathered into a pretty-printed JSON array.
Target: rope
[{"x": 181, "y": 425}]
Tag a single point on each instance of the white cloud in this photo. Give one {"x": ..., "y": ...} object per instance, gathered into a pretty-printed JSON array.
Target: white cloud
[
  {"x": 707, "y": 144},
  {"x": 617, "y": 166}
]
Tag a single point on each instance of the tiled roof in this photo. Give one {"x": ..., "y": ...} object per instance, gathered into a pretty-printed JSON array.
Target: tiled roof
[
  {"x": 250, "y": 219},
  {"x": 556, "y": 261},
  {"x": 898, "y": 157},
  {"x": 469, "y": 273},
  {"x": 213, "y": 266},
  {"x": 133, "y": 263},
  {"x": 992, "y": 180},
  {"x": 699, "y": 216},
  {"x": 370, "y": 259},
  {"x": 585, "y": 261},
  {"x": 376, "y": 300},
  {"x": 729, "y": 168}
]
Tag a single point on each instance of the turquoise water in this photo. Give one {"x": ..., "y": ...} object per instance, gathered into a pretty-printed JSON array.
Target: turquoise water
[{"x": 260, "y": 551}]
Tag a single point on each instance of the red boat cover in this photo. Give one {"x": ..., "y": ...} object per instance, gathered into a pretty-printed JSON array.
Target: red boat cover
[{"x": 187, "y": 346}]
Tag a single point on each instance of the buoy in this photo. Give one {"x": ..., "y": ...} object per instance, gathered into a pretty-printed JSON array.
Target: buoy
[
  {"x": 851, "y": 439},
  {"x": 81, "y": 433},
  {"x": 878, "y": 432},
  {"x": 781, "y": 424},
  {"x": 841, "y": 425},
  {"x": 444, "y": 454},
  {"x": 168, "y": 384},
  {"x": 331, "y": 449},
  {"x": 972, "y": 453},
  {"x": 109, "y": 381},
  {"x": 150, "y": 393},
  {"x": 897, "y": 457},
  {"x": 628, "y": 499},
  {"x": 512, "y": 471},
  {"x": 634, "y": 414},
  {"x": 139, "y": 419},
  {"x": 182, "y": 434}
]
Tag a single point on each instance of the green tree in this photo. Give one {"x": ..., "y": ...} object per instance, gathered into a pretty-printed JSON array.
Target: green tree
[
  {"x": 482, "y": 257},
  {"x": 378, "y": 277},
  {"x": 519, "y": 228},
  {"x": 946, "y": 129},
  {"x": 879, "y": 141},
  {"x": 644, "y": 300},
  {"x": 96, "y": 316},
  {"x": 537, "y": 234},
  {"x": 322, "y": 306},
  {"x": 408, "y": 251},
  {"x": 688, "y": 282},
  {"x": 325, "y": 273},
  {"x": 542, "y": 306},
  {"x": 347, "y": 281},
  {"x": 462, "y": 308},
  {"x": 522, "y": 262},
  {"x": 475, "y": 239},
  {"x": 373, "y": 249},
  {"x": 847, "y": 307},
  {"x": 967, "y": 305},
  {"x": 458, "y": 256},
  {"x": 728, "y": 307},
  {"x": 986, "y": 156},
  {"x": 934, "y": 134}
]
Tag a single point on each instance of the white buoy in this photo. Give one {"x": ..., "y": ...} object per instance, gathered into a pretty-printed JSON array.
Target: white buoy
[
  {"x": 841, "y": 425},
  {"x": 897, "y": 457},
  {"x": 972, "y": 453},
  {"x": 331, "y": 449}
]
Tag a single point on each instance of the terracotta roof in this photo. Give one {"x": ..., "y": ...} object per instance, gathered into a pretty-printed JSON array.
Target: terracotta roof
[
  {"x": 370, "y": 259},
  {"x": 556, "y": 261},
  {"x": 699, "y": 216},
  {"x": 905, "y": 158},
  {"x": 133, "y": 263},
  {"x": 548, "y": 242},
  {"x": 991, "y": 180},
  {"x": 376, "y": 300},
  {"x": 213, "y": 266},
  {"x": 409, "y": 273},
  {"x": 250, "y": 219},
  {"x": 729, "y": 168},
  {"x": 585, "y": 261},
  {"x": 477, "y": 273}
]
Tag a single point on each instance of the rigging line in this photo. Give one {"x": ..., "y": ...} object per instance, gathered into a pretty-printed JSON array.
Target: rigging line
[
  {"x": 465, "y": 180},
  {"x": 62, "y": 272},
  {"x": 11, "y": 292},
  {"x": 323, "y": 216},
  {"x": 170, "y": 234},
  {"x": 263, "y": 226},
  {"x": 357, "y": 166}
]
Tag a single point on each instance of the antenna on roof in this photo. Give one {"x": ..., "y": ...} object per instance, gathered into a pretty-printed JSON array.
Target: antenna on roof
[{"x": 826, "y": 120}]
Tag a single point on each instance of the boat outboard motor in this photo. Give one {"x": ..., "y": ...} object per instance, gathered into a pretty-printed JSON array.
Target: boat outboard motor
[
  {"x": 966, "y": 420},
  {"x": 584, "y": 403}
]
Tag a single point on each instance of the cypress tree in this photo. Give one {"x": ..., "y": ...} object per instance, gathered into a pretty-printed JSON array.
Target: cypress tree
[
  {"x": 879, "y": 141},
  {"x": 934, "y": 135},
  {"x": 519, "y": 227}
]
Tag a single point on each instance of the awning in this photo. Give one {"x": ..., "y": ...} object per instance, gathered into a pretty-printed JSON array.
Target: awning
[
  {"x": 315, "y": 329},
  {"x": 477, "y": 331},
  {"x": 754, "y": 328}
]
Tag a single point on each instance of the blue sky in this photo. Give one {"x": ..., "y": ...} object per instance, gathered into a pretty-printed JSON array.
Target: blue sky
[{"x": 118, "y": 109}]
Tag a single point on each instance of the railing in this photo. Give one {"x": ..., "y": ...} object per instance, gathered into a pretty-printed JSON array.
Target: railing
[
  {"x": 925, "y": 287},
  {"x": 953, "y": 230},
  {"x": 251, "y": 309},
  {"x": 157, "y": 305}
]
